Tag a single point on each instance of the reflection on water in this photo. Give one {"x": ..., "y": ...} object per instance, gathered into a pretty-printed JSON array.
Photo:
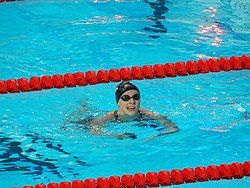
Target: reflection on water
[
  {"x": 211, "y": 30},
  {"x": 159, "y": 9},
  {"x": 31, "y": 159}
]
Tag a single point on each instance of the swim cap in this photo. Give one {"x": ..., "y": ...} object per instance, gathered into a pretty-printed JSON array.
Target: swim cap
[{"x": 122, "y": 88}]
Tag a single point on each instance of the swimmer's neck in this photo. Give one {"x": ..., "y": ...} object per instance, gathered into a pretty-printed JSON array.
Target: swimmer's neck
[{"x": 126, "y": 117}]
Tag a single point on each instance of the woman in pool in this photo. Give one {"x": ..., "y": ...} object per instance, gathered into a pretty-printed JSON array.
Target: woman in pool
[{"x": 128, "y": 101}]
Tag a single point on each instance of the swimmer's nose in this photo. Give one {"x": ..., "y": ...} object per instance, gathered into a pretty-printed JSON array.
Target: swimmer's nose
[{"x": 132, "y": 101}]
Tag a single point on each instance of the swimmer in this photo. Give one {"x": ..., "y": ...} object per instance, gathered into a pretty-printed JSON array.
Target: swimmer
[{"x": 128, "y": 102}]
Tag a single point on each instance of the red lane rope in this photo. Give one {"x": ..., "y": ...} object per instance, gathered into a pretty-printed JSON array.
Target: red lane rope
[
  {"x": 114, "y": 75},
  {"x": 234, "y": 170},
  {"x": 1, "y": 1}
]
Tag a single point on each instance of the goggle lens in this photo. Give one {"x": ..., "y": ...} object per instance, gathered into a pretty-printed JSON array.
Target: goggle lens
[{"x": 127, "y": 97}]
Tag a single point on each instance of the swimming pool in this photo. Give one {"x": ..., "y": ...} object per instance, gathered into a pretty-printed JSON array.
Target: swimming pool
[{"x": 57, "y": 37}]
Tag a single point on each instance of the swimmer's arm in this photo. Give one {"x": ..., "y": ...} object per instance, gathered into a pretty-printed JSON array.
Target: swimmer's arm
[
  {"x": 98, "y": 131},
  {"x": 172, "y": 128},
  {"x": 96, "y": 125}
]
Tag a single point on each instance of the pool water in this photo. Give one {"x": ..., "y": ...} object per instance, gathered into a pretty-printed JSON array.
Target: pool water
[{"x": 57, "y": 37}]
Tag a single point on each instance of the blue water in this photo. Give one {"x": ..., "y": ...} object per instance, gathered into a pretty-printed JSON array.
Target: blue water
[{"x": 57, "y": 37}]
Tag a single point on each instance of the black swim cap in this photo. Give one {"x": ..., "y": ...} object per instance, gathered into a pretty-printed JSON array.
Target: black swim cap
[{"x": 122, "y": 88}]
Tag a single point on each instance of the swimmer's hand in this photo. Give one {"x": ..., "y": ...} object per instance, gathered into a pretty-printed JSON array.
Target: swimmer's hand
[
  {"x": 171, "y": 130},
  {"x": 126, "y": 135}
]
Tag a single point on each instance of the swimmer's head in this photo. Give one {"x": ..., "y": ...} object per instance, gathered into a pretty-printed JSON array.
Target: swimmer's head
[{"x": 122, "y": 88}]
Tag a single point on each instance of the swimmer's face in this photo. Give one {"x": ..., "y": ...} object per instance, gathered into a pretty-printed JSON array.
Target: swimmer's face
[{"x": 129, "y": 103}]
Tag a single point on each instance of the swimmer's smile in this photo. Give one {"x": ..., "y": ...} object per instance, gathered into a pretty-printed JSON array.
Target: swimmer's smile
[{"x": 131, "y": 108}]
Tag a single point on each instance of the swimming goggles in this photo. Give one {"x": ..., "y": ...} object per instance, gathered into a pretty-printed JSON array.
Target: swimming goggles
[{"x": 127, "y": 97}]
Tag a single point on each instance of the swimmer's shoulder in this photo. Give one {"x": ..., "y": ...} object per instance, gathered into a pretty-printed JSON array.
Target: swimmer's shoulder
[
  {"x": 150, "y": 114},
  {"x": 108, "y": 116},
  {"x": 147, "y": 112}
]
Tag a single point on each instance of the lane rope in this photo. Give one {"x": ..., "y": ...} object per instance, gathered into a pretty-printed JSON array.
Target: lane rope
[
  {"x": 167, "y": 70},
  {"x": 1, "y": 1},
  {"x": 234, "y": 170}
]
